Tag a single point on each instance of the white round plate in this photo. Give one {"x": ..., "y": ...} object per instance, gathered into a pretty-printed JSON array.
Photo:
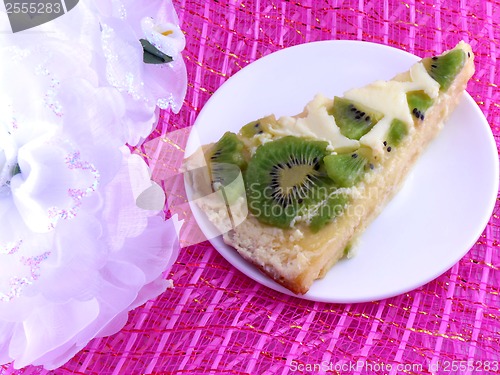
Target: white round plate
[{"x": 433, "y": 221}]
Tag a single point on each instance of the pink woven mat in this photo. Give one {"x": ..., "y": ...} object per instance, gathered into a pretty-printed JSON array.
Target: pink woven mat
[{"x": 218, "y": 321}]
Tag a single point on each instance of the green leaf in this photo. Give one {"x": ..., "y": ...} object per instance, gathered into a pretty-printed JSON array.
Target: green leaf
[
  {"x": 15, "y": 170},
  {"x": 153, "y": 55}
]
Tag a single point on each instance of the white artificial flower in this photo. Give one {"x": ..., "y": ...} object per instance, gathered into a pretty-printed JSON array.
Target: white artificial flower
[
  {"x": 144, "y": 86},
  {"x": 104, "y": 37},
  {"x": 165, "y": 36},
  {"x": 61, "y": 288},
  {"x": 56, "y": 138}
]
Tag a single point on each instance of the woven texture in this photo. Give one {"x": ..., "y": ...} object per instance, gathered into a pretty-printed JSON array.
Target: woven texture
[{"x": 217, "y": 320}]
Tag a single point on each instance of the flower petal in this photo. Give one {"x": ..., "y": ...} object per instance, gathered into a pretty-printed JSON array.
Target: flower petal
[{"x": 52, "y": 183}]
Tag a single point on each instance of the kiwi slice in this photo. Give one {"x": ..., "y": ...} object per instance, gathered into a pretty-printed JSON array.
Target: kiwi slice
[
  {"x": 229, "y": 149},
  {"x": 226, "y": 160},
  {"x": 397, "y": 131},
  {"x": 445, "y": 68},
  {"x": 346, "y": 170},
  {"x": 418, "y": 102},
  {"x": 284, "y": 178},
  {"x": 257, "y": 127},
  {"x": 251, "y": 129},
  {"x": 348, "y": 249},
  {"x": 353, "y": 119},
  {"x": 329, "y": 208}
]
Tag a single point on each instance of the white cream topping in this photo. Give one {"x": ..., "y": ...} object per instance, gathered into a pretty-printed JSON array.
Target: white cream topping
[
  {"x": 315, "y": 123},
  {"x": 375, "y": 137},
  {"x": 422, "y": 81},
  {"x": 389, "y": 98}
]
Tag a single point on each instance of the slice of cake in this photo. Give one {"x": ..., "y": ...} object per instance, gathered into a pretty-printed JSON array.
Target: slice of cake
[{"x": 293, "y": 194}]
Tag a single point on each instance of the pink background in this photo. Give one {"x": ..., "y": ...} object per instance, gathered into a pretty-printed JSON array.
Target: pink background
[{"x": 218, "y": 321}]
